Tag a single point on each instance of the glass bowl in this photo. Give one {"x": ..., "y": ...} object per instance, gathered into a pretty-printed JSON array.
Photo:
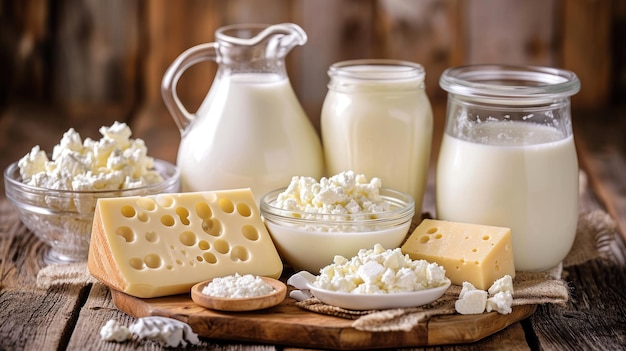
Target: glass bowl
[
  {"x": 310, "y": 241},
  {"x": 63, "y": 218}
]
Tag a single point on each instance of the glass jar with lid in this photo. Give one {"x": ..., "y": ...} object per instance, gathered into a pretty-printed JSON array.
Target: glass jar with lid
[
  {"x": 508, "y": 157},
  {"x": 377, "y": 120}
]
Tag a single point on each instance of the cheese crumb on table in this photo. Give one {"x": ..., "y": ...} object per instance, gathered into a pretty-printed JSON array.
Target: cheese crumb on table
[
  {"x": 114, "y": 331},
  {"x": 166, "y": 331},
  {"x": 380, "y": 271},
  {"x": 237, "y": 286}
]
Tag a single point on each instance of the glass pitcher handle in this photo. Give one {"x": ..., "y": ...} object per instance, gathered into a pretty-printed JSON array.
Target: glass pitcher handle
[{"x": 193, "y": 55}]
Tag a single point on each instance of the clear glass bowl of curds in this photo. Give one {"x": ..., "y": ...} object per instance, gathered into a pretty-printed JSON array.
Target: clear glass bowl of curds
[
  {"x": 63, "y": 218},
  {"x": 310, "y": 241}
]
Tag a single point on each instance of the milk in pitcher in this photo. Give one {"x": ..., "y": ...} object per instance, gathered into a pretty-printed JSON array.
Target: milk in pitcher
[
  {"x": 260, "y": 141},
  {"x": 250, "y": 131}
]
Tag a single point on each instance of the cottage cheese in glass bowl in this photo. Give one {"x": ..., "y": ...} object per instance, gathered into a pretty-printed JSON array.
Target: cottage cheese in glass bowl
[
  {"x": 311, "y": 222},
  {"x": 56, "y": 196}
]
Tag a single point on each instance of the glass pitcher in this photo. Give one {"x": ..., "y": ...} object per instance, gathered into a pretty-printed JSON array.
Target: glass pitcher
[
  {"x": 250, "y": 130},
  {"x": 508, "y": 157}
]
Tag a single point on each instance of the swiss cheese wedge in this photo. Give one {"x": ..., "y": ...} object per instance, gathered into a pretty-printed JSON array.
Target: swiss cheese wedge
[
  {"x": 473, "y": 253},
  {"x": 163, "y": 244}
]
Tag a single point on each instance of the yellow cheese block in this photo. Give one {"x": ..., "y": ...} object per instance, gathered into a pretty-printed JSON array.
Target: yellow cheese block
[
  {"x": 472, "y": 253},
  {"x": 162, "y": 245}
]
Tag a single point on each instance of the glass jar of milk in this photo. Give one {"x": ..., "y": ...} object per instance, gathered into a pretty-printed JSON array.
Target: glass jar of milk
[
  {"x": 508, "y": 158},
  {"x": 377, "y": 120}
]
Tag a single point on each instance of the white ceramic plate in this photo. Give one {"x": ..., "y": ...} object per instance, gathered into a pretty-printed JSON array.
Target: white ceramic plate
[{"x": 304, "y": 281}]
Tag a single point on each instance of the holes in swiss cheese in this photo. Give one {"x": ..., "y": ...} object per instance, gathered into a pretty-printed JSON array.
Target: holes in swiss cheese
[
  {"x": 146, "y": 203},
  {"x": 239, "y": 253},
  {"x": 250, "y": 232},
  {"x": 183, "y": 215},
  {"x": 152, "y": 261},
  {"x": 244, "y": 210},
  {"x": 167, "y": 220},
  {"x": 209, "y": 249},
  {"x": 203, "y": 210},
  {"x": 430, "y": 231},
  {"x": 126, "y": 232},
  {"x": 204, "y": 245},
  {"x": 151, "y": 237},
  {"x": 136, "y": 263},
  {"x": 187, "y": 238},
  {"x": 128, "y": 211},
  {"x": 165, "y": 200},
  {"x": 142, "y": 217},
  {"x": 212, "y": 227},
  {"x": 221, "y": 246},
  {"x": 209, "y": 257},
  {"x": 227, "y": 206}
]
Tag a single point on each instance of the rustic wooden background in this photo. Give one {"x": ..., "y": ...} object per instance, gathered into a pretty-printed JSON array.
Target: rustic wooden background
[{"x": 80, "y": 63}]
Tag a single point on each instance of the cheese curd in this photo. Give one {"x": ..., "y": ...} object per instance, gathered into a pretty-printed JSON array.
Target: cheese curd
[
  {"x": 471, "y": 300},
  {"x": 112, "y": 163},
  {"x": 501, "y": 293},
  {"x": 498, "y": 298},
  {"x": 380, "y": 271},
  {"x": 343, "y": 193}
]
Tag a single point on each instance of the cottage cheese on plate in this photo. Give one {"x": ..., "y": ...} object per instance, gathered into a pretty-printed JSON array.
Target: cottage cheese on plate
[{"x": 380, "y": 271}]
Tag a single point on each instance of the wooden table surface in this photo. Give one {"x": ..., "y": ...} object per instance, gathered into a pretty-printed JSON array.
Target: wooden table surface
[{"x": 70, "y": 316}]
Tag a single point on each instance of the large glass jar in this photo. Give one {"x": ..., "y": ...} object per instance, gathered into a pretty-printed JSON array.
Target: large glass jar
[
  {"x": 508, "y": 158},
  {"x": 377, "y": 120}
]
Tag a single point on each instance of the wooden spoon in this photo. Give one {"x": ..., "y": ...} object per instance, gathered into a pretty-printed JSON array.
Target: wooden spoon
[{"x": 241, "y": 303}]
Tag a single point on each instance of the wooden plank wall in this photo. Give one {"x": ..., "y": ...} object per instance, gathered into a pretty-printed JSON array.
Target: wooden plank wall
[{"x": 106, "y": 58}]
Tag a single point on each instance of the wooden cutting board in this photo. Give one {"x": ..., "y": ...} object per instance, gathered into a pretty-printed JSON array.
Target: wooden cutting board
[{"x": 289, "y": 325}]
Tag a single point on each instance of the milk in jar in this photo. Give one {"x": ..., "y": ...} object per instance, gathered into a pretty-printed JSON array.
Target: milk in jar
[
  {"x": 508, "y": 157},
  {"x": 523, "y": 177},
  {"x": 377, "y": 120}
]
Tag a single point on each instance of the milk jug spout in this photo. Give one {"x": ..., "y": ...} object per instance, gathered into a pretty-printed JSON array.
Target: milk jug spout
[
  {"x": 238, "y": 48},
  {"x": 250, "y": 130}
]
